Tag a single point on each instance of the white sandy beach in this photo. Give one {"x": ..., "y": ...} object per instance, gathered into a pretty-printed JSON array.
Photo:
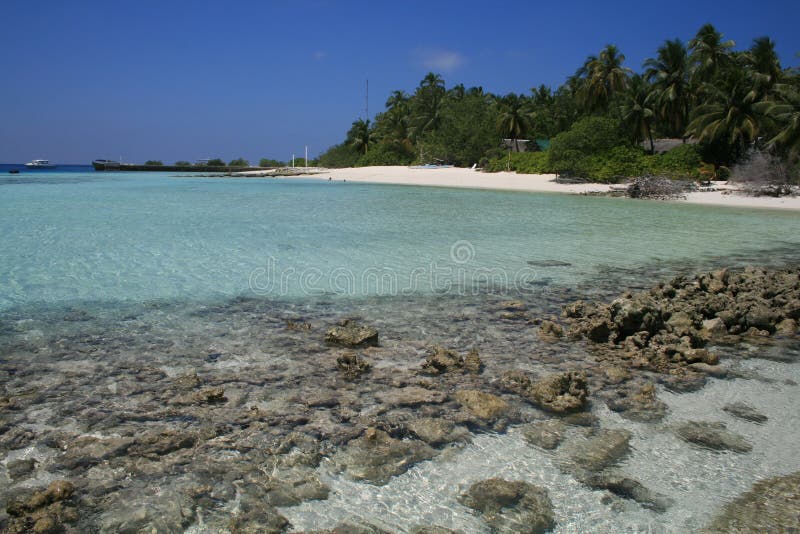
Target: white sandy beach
[{"x": 458, "y": 177}]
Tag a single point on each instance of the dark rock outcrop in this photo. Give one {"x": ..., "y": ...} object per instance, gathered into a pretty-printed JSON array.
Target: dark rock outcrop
[{"x": 666, "y": 329}]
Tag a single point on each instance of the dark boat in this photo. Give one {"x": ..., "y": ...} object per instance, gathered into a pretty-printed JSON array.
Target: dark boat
[{"x": 13, "y": 171}]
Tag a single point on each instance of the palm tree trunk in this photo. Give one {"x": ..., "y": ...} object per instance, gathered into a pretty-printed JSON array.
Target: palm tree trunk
[{"x": 650, "y": 136}]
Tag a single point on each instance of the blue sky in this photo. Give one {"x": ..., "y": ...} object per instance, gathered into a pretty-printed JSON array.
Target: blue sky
[{"x": 184, "y": 80}]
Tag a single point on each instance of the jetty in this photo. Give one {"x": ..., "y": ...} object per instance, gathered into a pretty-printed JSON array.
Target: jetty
[{"x": 104, "y": 165}]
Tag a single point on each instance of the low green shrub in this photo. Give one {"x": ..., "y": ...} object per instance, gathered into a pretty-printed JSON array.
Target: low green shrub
[
  {"x": 521, "y": 162},
  {"x": 384, "y": 154}
]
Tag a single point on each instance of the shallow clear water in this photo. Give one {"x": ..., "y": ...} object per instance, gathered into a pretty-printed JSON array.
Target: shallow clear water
[
  {"x": 106, "y": 277},
  {"x": 141, "y": 236},
  {"x": 700, "y": 481}
]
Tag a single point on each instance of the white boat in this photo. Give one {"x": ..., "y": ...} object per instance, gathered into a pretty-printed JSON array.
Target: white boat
[{"x": 40, "y": 164}]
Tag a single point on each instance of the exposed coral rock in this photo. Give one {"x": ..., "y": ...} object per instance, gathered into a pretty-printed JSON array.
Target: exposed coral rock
[
  {"x": 349, "y": 333},
  {"x": 482, "y": 405},
  {"x": 560, "y": 393},
  {"x": 351, "y": 365},
  {"x": 441, "y": 360}
]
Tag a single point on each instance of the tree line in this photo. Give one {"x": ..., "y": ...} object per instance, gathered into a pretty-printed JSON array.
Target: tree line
[{"x": 728, "y": 102}]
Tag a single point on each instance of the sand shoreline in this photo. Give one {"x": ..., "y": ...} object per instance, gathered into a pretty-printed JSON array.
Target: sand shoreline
[{"x": 543, "y": 183}]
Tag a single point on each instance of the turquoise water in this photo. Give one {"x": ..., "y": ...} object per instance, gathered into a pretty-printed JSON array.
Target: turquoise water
[
  {"x": 136, "y": 237},
  {"x": 113, "y": 285}
]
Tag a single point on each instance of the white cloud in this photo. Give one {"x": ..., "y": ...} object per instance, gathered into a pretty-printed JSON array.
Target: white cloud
[{"x": 439, "y": 60}]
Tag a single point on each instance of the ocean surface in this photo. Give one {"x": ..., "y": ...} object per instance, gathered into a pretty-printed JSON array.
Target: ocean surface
[{"x": 164, "y": 270}]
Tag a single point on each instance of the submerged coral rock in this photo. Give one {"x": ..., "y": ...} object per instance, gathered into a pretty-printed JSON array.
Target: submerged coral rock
[
  {"x": 601, "y": 450},
  {"x": 511, "y": 506},
  {"x": 351, "y": 365},
  {"x": 550, "y": 331},
  {"x": 473, "y": 363},
  {"x": 743, "y": 411},
  {"x": 482, "y": 405},
  {"x": 45, "y": 511},
  {"x": 155, "y": 444},
  {"x": 629, "y": 488},
  {"x": 560, "y": 393},
  {"x": 376, "y": 457},
  {"x": 258, "y": 520},
  {"x": 165, "y": 511},
  {"x": 712, "y": 435},
  {"x": 515, "y": 382},
  {"x": 349, "y": 333},
  {"x": 641, "y": 405},
  {"x": 435, "y": 431},
  {"x": 769, "y": 506},
  {"x": 441, "y": 360},
  {"x": 544, "y": 434},
  {"x": 411, "y": 396}
]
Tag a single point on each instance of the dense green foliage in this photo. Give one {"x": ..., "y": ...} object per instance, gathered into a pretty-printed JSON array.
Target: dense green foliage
[
  {"x": 267, "y": 162},
  {"x": 239, "y": 162},
  {"x": 338, "y": 156},
  {"x": 606, "y": 165},
  {"x": 216, "y": 162},
  {"x": 182, "y": 163},
  {"x": 603, "y": 120},
  {"x": 153, "y": 162},
  {"x": 522, "y": 162}
]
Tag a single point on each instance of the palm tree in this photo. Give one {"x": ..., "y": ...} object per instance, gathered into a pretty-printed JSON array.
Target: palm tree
[
  {"x": 669, "y": 74},
  {"x": 763, "y": 63},
  {"x": 637, "y": 113},
  {"x": 360, "y": 136},
  {"x": 709, "y": 53},
  {"x": 786, "y": 113},
  {"x": 398, "y": 99},
  {"x": 457, "y": 92},
  {"x": 428, "y": 99},
  {"x": 604, "y": 77},
  {"x": 513, "y": 119},
  {"x": 729, "y": 115}
]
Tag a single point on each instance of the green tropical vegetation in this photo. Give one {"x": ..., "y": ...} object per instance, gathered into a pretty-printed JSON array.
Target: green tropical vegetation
[
  {"x": 182, "y": 163},
  {"x": 267, "y": 162},
  {"x": 721, "y": 104},
  {"x": 239, "y": 162},
  {"x": 216, "y": 162},
  {"x": 153, "y": 162}
]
